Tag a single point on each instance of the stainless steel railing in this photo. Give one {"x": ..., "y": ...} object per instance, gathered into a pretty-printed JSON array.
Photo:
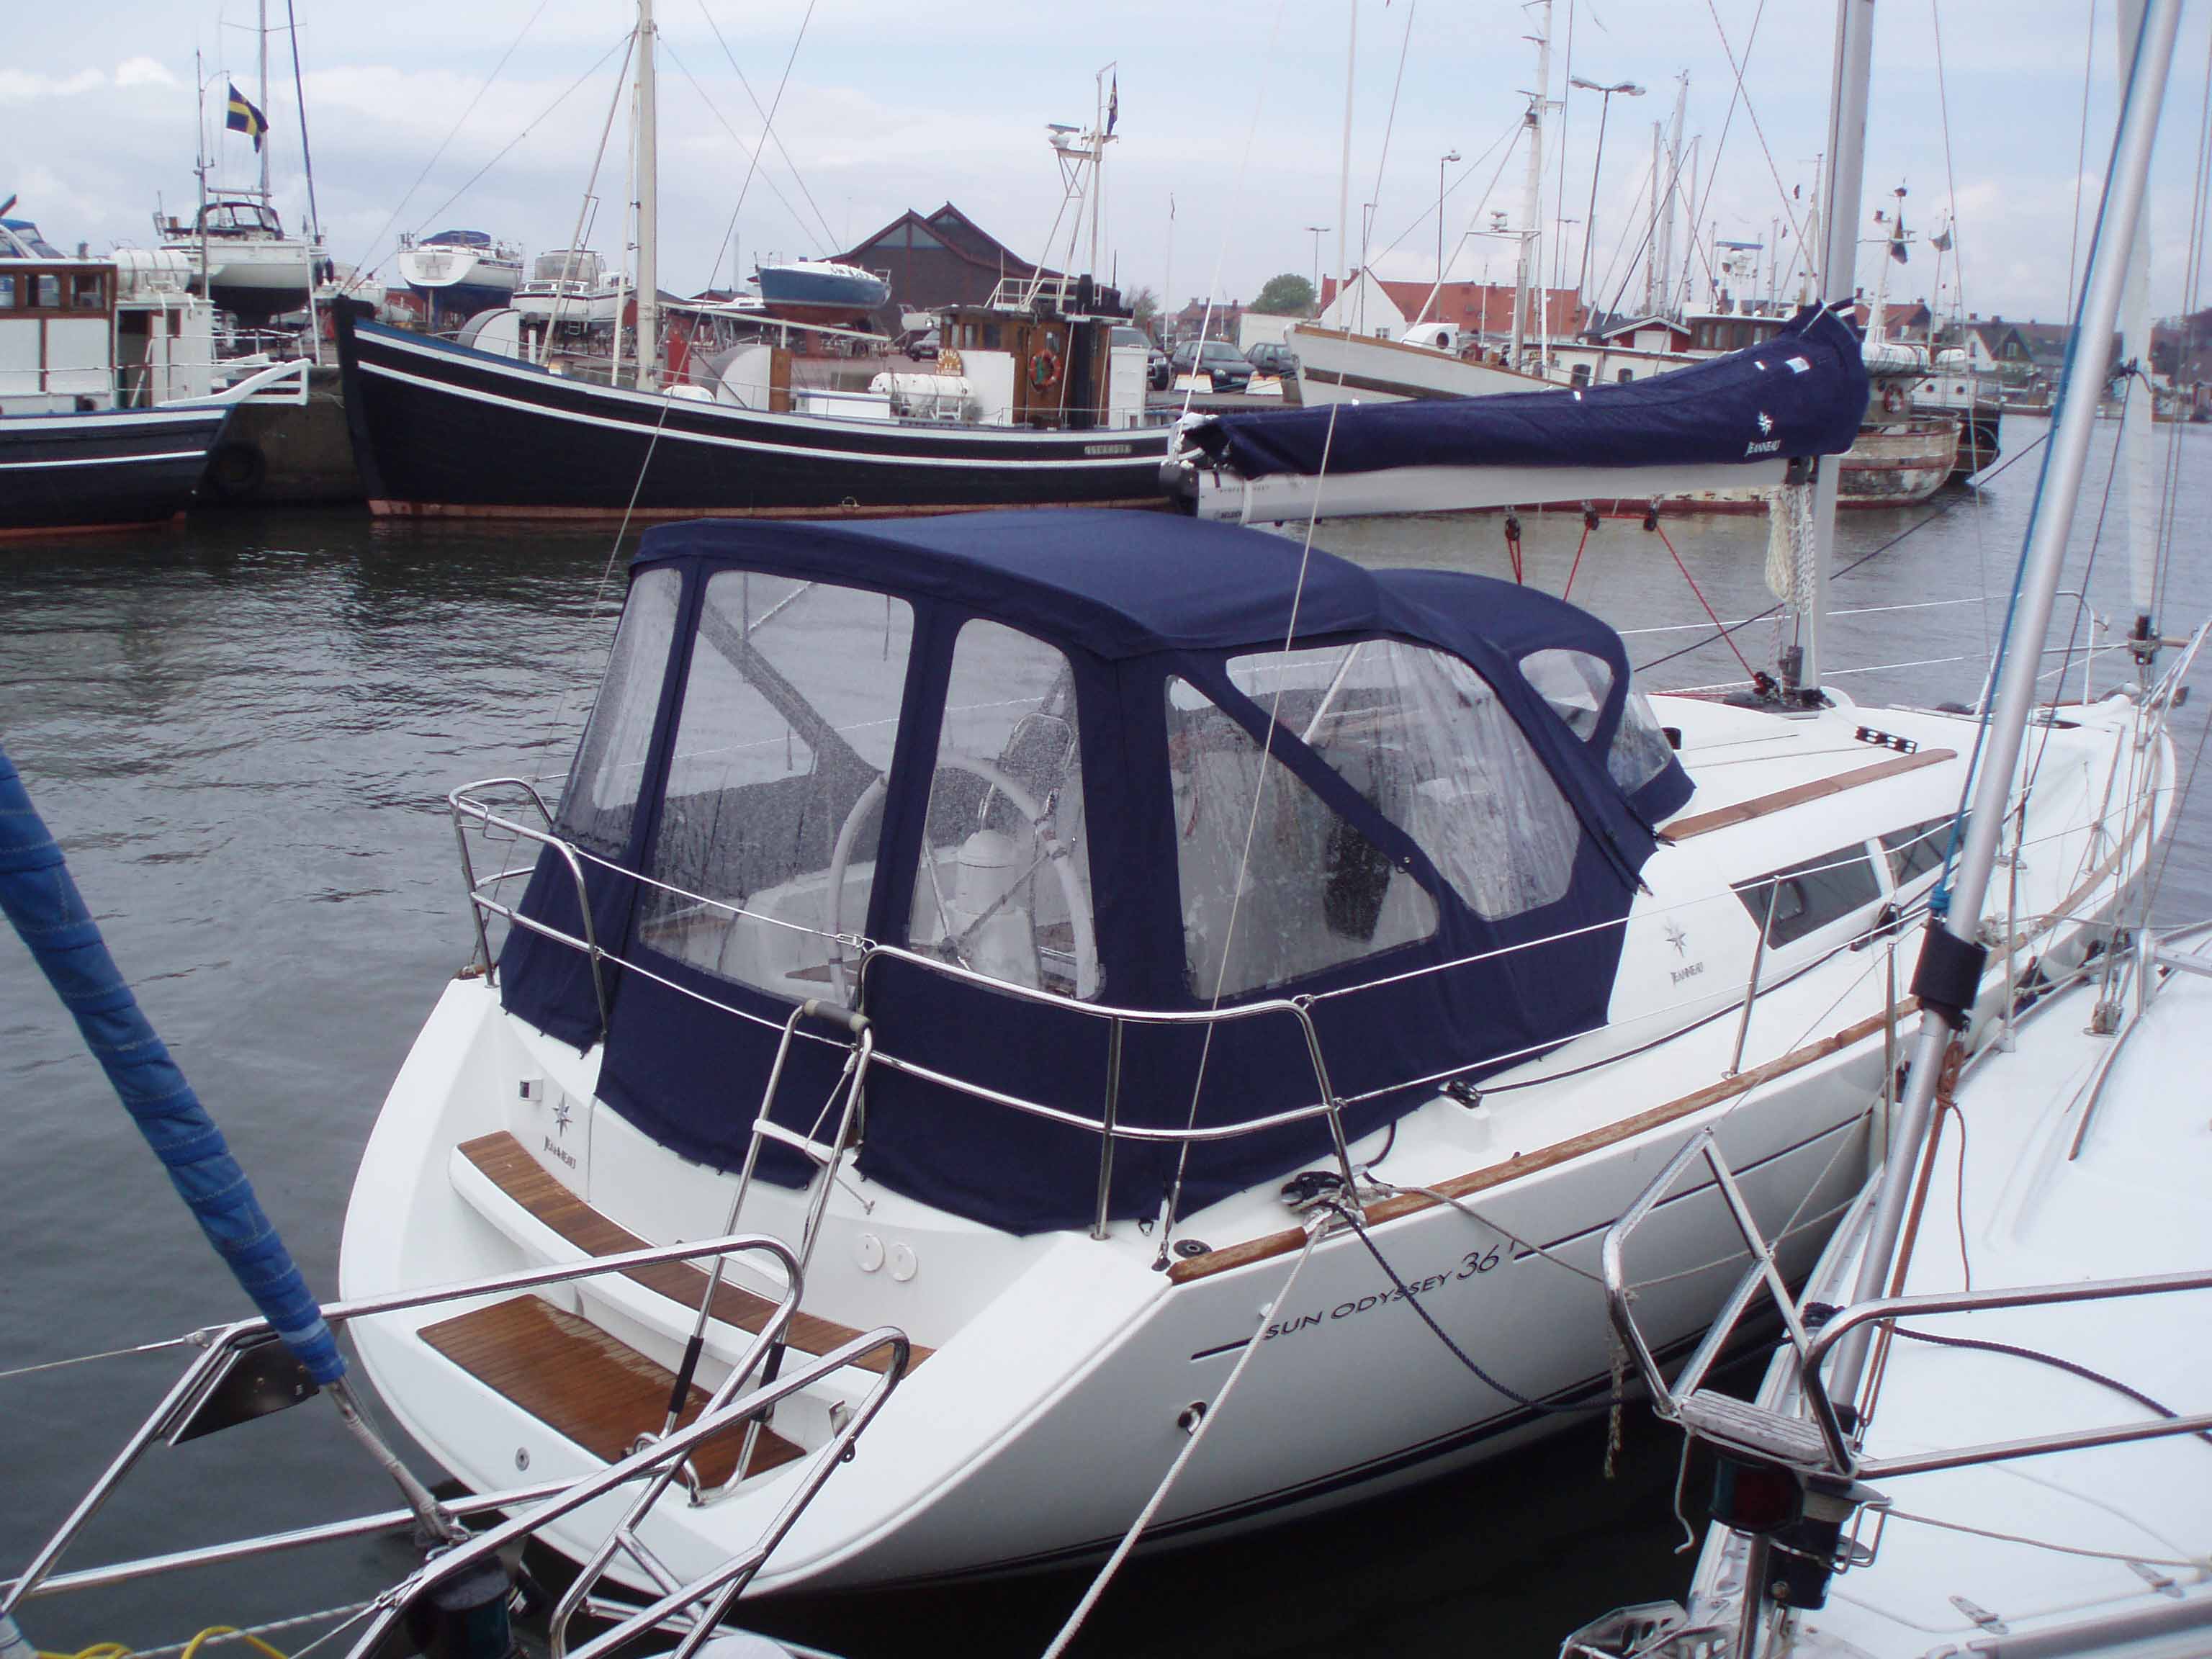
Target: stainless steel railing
[
  {"x": 658, "y": 1461},
  {"x": 1108, "y": 1125},
  {"x": 1821, "y": 1441}
]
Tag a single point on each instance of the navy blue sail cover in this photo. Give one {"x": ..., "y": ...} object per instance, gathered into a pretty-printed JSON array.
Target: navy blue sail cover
[
  {"x": 1136, "y": 603},
  {"x": 1800, "y": 393}
]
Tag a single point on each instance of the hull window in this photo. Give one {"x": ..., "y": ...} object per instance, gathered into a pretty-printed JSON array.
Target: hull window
[
  {"x": 1808, "y": 896},
  {"x": 602, "y": 796},
  {"x": 1421, "y": 735},
  {"x": 766, "y": 852},
  {"x": 1004, "y": 886},
  {"x": 1914, "y": 852}
]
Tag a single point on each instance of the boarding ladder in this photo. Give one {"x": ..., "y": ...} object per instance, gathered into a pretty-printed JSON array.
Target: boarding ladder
[{"x": 766, "y": 1353}]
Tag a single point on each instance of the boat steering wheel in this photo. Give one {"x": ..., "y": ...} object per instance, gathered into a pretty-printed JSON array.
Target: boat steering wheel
[{"x": 1049, "y": 851}]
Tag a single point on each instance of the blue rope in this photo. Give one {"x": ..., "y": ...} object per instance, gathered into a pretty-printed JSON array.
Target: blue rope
[{"x": 40, "y": 899}]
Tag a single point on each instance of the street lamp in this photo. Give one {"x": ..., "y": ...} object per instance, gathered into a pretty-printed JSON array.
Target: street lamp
[
  {"x": 1441, "y": 165},
  {"x": 1319, "y": 231},
  {"x": 1628, "y": 89}
]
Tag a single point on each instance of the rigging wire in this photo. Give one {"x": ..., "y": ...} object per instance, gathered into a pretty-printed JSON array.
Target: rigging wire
[
  {"x": 1512, "y": 131},
  {"x": 752, "y": 167},
  {"x": 749, "y": 150},
  {"x": 1739, "y": 95},
  {"x": 2081, "y": 158},
  {"x": 1198, "y": 1418},
  {"x": 1922, "y": 524},
  {"x": 1389, "y": 125},
  {"x": 1236, "y": 194},
  {"x": 1251, "y": 829},
  {"x": 362, "y": 267},
  {"x": 530, "y": 126},
  {"x": 830, "y": 238}
]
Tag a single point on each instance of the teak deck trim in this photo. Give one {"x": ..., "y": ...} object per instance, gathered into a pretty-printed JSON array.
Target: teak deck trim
[
  {"x": 587, "y": 1386},
  {"x": 506, "y": 1162},
  {"x": 1700, "y": 823},
  {"x": 1402, "y": 1204}
]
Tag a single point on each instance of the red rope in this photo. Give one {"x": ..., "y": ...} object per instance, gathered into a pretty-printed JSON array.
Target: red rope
[
  {"x": 1587, "y": 521},
  {"x": 1748, "y": 670},
  {"x": 1513, "y": 543}
]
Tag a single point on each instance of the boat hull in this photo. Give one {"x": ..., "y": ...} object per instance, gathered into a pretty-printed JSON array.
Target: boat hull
[
  {"x": 804, "y": 294},
  {"x": 460, "y": 281},
  {"x": 109, "y": 468},
  {"x": 439, "y": 430}
]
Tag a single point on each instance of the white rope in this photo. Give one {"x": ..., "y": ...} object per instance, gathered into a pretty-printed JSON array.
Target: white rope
[
  {"x": 1197, "y": 1433},
  {"x": 2199, "y": 1564},
  {"x": 347, "y": 1614}
]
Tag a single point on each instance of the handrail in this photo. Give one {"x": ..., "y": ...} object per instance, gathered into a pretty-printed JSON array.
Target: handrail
[
  {"x": 1106, "y": 1125},
  {"x": 723, "y": 1583},
  {"x": 219, "y": 1343},
  {"x": 460, "y": 804}
]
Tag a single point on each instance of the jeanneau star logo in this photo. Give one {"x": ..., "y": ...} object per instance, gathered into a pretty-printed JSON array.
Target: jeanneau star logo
[
  {"x": 561, "y": 1115},
  {"x": 1766, "y": 423},
  {"x": 1678, "y": 939}
]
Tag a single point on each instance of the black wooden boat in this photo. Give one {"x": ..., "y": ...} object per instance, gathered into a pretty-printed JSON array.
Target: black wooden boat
[
  {"x": 442, "y": 429},
  {"x": 102, "y": 468}
]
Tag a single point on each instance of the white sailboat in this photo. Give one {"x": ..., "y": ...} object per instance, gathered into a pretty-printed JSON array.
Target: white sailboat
[
  {"x": 242, "y": 259},
  {"x": 1308, "y": 1073},
  {"x": 1973, "y": 1439}
]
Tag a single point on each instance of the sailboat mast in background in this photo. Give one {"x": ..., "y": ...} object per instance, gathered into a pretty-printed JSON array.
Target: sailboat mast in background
[
  {"x": 1532, "y": 195},
  {"x": 1847, "y": 149},
  {"x": 648, "y": 209}
]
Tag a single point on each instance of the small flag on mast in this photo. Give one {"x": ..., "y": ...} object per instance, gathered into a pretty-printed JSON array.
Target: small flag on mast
[
  {"x": 1940, "y": 241},
  {"x": 1896, "y": 237},
  {"x": 1113, "y": 106},
  {"x": 242, "y": 117}
]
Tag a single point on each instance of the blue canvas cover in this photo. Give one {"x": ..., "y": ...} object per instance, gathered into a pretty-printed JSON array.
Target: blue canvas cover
[
  {"x": 1131, "y": 600},
  {"x": 1800, "y": 393}
]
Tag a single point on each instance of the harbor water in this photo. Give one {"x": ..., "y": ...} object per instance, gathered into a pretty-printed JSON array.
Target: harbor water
[{"x": 242, "y": 732}]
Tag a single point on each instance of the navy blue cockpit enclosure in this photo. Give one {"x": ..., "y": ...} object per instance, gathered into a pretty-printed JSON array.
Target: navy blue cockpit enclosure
[
  {"x": 1069, "y": 752},
  {"x": 1800, "y": 393}
]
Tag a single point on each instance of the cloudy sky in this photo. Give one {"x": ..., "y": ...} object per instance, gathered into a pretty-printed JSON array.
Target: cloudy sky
[{"x": 487, "y": 115}]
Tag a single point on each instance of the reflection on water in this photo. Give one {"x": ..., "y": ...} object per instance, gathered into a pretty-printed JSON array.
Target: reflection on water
[{"x": 243, "y": 733}]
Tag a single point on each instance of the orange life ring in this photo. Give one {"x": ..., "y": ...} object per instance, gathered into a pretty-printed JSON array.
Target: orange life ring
[
  {"x": 1892, "y": 401},
  {"x": 1044, "y": 368}
]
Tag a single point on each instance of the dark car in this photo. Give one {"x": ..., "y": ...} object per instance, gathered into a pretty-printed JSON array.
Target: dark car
[
  {"x": 1229, "y": 368},
  {"x": 920, "y": 344},
  {"x": 1273, "y": 357}
]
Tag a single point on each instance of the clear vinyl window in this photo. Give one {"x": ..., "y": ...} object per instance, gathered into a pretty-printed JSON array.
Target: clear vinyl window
[
  {"x": 1274, "y": 884},
  {"x": 766, "y": 851},
  {"x": 1639, "y": 751},
  {"x": 1577, "y": 684},
  {"x": 1004, "y": 884},
  {"x": 1423, "y": 737},
  {"x": 600, "y": 803}
]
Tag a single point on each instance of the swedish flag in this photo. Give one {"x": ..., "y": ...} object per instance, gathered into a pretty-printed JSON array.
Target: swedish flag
[{"x": 244, "y": 117}]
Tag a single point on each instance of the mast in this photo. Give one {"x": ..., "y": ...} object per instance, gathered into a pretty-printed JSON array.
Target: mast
[
  {"x": 1651, "y": 231},
  {"x": 648, "y": 211},
  {"x": 2136, "y": 410},
  {"x": 261, "y": 144},
  {"x": 1952, "y": 956},
  {"x": 1667, "y": 193},
  {"x": 1344, "y": 173},
  {"x": 1532, "y": 192},
  {"x": 1847, "y": 118},
  {"x": 200, "y": 170}
]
